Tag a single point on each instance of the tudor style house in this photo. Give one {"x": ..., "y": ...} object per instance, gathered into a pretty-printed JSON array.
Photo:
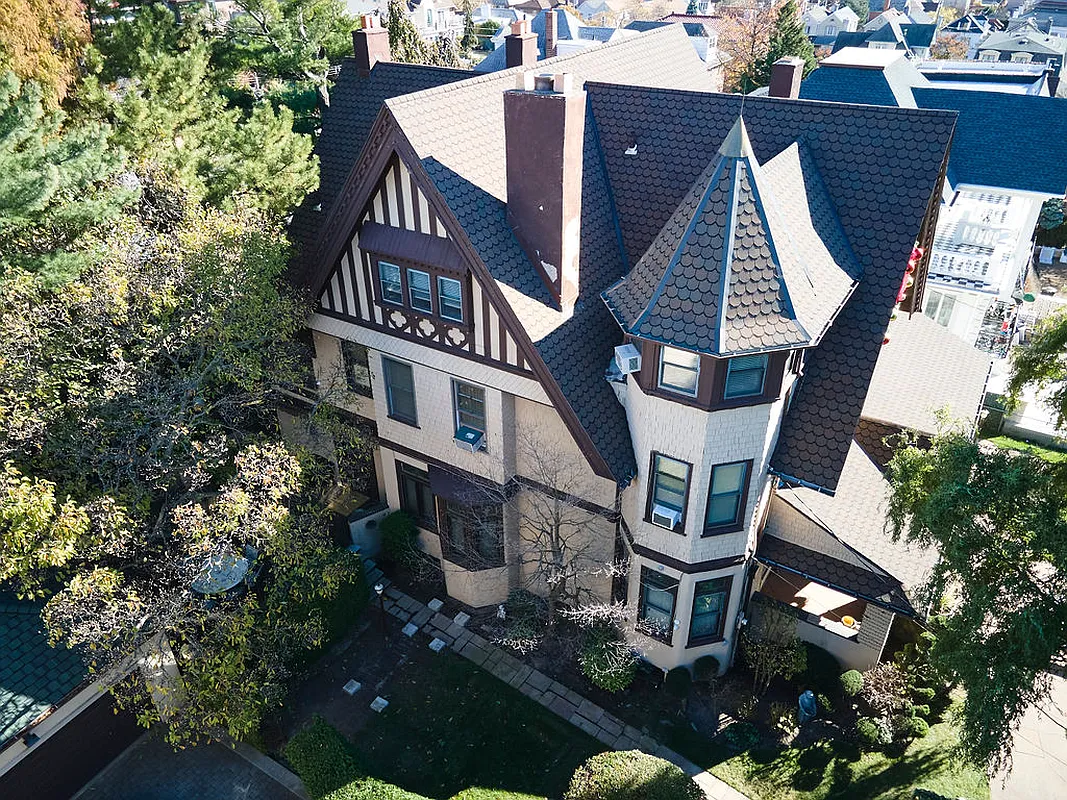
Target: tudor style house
[{"x": 592, "y": 280}]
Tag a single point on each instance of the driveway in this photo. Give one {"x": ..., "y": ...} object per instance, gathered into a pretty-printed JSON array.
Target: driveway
[
  {"x": 1039, "y": 769},
  {"x": 150, "y": 769}
]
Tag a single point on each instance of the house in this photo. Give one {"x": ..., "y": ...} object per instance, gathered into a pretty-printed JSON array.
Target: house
[
  {"x": 972, "y": 28},
  {"x": 1050, "y": 16},
  {"x": 902, "y": 12},
  {"x": 704, "y": 39},
  {"x": 433, "y": 19},
  {"x": 558, "y": 31},
  {"x": 1025, "y": 43},
  {"x": 987, "y": 76},
  {"x": 822, "y": 25},
  {"x": 891, "y": 30},
  {"x": 981, "y": 252},
  {"x": 589, "y": 281}
]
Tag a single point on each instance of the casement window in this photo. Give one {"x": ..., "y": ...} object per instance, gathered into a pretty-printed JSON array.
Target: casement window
[
  {"x": 400, "y": 391},
  {"x": 450, "y": 298},
  {"x": 389, "y": 277},
  {"x": 745, "y": 376},
  {"x": 472, "y": 536},
  {"x": 416, "y": 498},
  {"x": 668, "y": 490},
  {"x": 679, "y": 371},
  {"x": 357, "y": 368},
  {"x": 655, "y": 607},
  {"x": 711, "y": 599},
  {"x": 469, "y": 403},
  {"x": 419, "y": 290},
  {"x": 726, "y": 495}
]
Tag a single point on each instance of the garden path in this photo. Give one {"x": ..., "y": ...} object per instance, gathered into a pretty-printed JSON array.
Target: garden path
[{"x": 1039, "y": 769}]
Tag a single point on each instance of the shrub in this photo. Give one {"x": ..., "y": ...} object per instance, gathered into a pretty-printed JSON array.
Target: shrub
[
  {"x": 915, "y": 727},
  {"x": 607, "y": 660},
  {"x": 824, "y": 703},
  {"x": 924, "y": 693},
  {"x": 885, "y": 690},
  {"x": 740, "y": 736},
  {"x": 784, "y": 719},
  {"x": 630, "y": 775},
  {"x": 746, "y": 709},
  {"x": 494, "y": 794},
  {"x": 920, "y": 710},
  {"x": 706, "y": 669},
  {"x": 678, "y": 682},
  {"x": 400, "y": 539},
  {"x": 822, "y": 670},
  {"x": 851, "y": 683},
  {"x": 867, "y": 732}
]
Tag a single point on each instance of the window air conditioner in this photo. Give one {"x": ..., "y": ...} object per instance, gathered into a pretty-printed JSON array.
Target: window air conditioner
[
  {"x": 627, "y": 358},
  {"x": 469, "y": 439},
  {"x": 665, "y": 517}
]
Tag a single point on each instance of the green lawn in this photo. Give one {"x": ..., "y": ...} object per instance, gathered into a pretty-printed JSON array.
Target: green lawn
[
  {"x": 450, "y": 726},
  {"x": 838, "y": 771},
  {"x": 1007, "y": 443}
]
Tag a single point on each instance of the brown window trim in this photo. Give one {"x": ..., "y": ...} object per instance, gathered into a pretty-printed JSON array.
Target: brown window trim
[
  {"x": 420, "y": 522},
  {"x": 672, "y": 591},
  {"x": 680, "y": 530},
  {"x": 411, "y": 423},
  {"x": 742, "y": 505},
  {"x": 434, "y": 272},
  {"x": 704, "y": 641}
]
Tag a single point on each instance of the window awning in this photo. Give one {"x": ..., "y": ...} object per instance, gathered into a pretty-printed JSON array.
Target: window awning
[
  {"x": 466, "y": 489},
  {"x": 411, "y": 246}
]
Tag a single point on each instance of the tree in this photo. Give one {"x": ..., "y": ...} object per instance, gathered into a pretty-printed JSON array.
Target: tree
[
  {"x": 999, "y": 521},
  {"x": 469, "y": 41},
  {"x": 1043, "y": 364},
  {"x": 405, "y": 44},
  {"x": 745, "y": 35},
  {"x": 862, "y": 9},
  {"x": 41, "y": 41},
  {"x": 951, "y": 48},
  {"x": 60, "y": 182},
  {"x": 692, "y": 9},
  {"x": 770, "y": 647},
  {"x": 787, "y": 38}
]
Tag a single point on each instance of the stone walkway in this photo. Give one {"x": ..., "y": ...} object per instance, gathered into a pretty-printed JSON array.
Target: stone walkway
[
  {"x": 1039, "y": 754},
  {"x": 557, "y": 698}
]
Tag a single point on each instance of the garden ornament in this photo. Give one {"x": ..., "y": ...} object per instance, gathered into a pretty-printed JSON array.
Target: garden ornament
[{"x": 808, "y": 708}]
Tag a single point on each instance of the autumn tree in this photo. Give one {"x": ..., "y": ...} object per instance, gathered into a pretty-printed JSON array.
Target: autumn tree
[
  {"x": 744, "y": 35},
  {"x": 41, "y": 41},
  {"x": 952, "y": 48}
]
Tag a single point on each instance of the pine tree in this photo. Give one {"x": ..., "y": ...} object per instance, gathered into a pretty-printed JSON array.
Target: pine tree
[
  {"x": 469, "y": 40},
  {"x": 405, "y": 44},
  {"x": 444, "y": 53},
  {"x": 787, "y": 39},
  {"x": 692, "y": 8}
]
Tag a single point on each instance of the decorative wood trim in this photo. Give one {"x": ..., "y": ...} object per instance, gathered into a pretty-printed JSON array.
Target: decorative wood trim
[{"x": 685, "y": 567}]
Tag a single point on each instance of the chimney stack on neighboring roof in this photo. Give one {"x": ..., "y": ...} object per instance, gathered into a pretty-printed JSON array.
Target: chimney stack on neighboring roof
[
  {"x": 551, "y": 34},
  {"x": 520, "y": 45},
  {"x": 786, "y": 73},
  {"x": 370, "y": 44},
  {"x": 544, "y": 133}
]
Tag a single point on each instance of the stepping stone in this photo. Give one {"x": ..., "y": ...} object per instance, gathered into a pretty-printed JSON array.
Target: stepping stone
[
  {"x": 435, "y": 604},
  {"x": 437, "y": 645},
  {"x": 352, "y": 687},
  {"x": 462, "y": 618},
  {"x": 379, "y": 705},
  {"x": 409, "y": 630}
]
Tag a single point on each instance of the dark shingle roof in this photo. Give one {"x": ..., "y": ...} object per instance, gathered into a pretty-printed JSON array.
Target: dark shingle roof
[
  {"x": 33, "y": 676},
  {"x": 725, "y": 275},
  {"x": 879, "y": 195},
  {"x": 694, "y": 29}
]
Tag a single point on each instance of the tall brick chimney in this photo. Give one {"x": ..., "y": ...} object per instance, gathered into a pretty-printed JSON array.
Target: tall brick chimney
[
  {"x": 786, "y": 73},
  {"x": 551, "y": 34},
  {"x": 544, "y": 131},
  {"x": 370, "y": 44},
  {"x": 520, "y": 45}
]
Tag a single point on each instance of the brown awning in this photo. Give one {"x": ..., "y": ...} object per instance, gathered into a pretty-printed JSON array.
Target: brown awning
[{"x": 406, "y": 245}]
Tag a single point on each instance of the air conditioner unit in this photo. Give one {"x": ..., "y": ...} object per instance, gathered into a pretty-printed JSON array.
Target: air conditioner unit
[
  {"x": 627, "y": 358},
  {"x": 469, "y": 439},
  {"x": 665, "y": 517}
]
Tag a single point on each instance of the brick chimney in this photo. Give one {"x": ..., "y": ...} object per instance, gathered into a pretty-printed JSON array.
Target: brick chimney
[
  {"x": 551, "y": 35},
  {"x": 544, "y": 131},
  {"x": 786, "y": 73},
  {"x": 520, "y": 45},
  {"x": 371, "y": 44}
]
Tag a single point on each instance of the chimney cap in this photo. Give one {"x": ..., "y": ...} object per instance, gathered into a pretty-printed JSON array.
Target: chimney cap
[
  {"x": 520, "y": 27},
  {"x": 545, "y": 82},
  {"x": 368, "y": 21}
]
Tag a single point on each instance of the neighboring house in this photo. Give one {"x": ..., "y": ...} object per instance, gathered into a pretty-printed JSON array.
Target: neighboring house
[
  {"x": 1024, "y": 43},
  {"x": 703, "y": 38},
  {"x": 685, "y": 308},
  {"x": 559, "y": 32},
  {"x": 592, "y": 9},
  {"x": 981, "y": 253},
  {"x": 431, "y": 18},
  {"x": 902, "y": 12},
  {"x": 1049, "y": 15},
  {"x": 972, "y": 28},
  {"x": 987, "y": 76},
  {"x": 822, "y": 26},
  {"x": 887, "y": 32}
]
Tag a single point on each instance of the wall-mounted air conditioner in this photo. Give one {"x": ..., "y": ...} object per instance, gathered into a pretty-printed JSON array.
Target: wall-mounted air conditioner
[
  {"x": 665, "y": 517},
  {"x": 627, "y": 358},
  {"x": 470, "y": 439}
]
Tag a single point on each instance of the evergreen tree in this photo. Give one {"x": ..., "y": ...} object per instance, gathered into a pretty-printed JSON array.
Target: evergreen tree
[
  {"x": 469, "y": 40},
  {"x": 405, "y": 44},
  {"x": 787, "y": 39},
  {"x": 444, "y": 53},
  {"x": 862, "y": 9},
  {"x": 692, "y": 8}
]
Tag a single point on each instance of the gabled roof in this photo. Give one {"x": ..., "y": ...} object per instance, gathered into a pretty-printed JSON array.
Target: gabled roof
[
  {"x": 694, "y": 29},
  {"x": 1025, "y": 38},
  {"x": 568, "y": 28},
  {"x": 739, "y": 267}
]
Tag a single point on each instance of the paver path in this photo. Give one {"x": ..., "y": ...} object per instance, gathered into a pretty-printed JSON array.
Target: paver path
[
  {"x": 1039, "y": 770},
  {"x": 579, "y": 711}
]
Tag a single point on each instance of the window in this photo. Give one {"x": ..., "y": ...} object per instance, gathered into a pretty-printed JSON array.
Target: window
[
  {"x": 1021, "y": 58},
  {"x": 670, "y": 483},
  {"x": 419, "y": 290},
  {"x": 472, "y": 536},
  {"x": 679, "y": 371},
  {"x": 988, "y": 55},
  {"x": 416, "y": 498},
  {"x": 357, "y": 368},
  {"x": 400, "y": 391},
  {"x": 389, "y": 275},
  {"x": 469, "y": 402},
  {"x": 710, "y": 601},
  {"x": 726, "y": 494},
  {"x": 745, "y": 376},
  {"x": 939, "y": 307},
  {"x": 655, "y": 608},
  {"x": 450, "y": 298}
]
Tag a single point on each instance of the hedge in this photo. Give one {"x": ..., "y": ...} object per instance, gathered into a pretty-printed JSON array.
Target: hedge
[
  {"x": 631, "y": 775},
  {"x": 494, "y": 794}
]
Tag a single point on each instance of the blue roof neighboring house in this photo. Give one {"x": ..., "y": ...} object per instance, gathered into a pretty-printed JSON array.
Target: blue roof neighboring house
[
  {"x": 568, "y": 28},
  {"x": 1002, "y": 139},
  {"x": 33, "y": 676},
  {"x": 904, "y": 36}
]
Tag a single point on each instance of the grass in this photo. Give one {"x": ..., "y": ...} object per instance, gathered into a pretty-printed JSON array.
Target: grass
[
  {"x": 449, "y": 727},
  {"x": 1007, "y": 443},
  {"x": 839, "y": 771}
]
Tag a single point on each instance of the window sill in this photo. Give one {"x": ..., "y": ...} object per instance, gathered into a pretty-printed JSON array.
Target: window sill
[
  {"x": 721, "y": 530},
  {"x": 404, "y": 421},
  {"x": 680, "y": 530},
  {"x": 667, "y": 640},
  {"x": 704, "y": 641}
]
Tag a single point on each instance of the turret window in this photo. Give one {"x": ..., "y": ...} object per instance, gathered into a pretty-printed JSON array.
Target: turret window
[
  {"x": 679, "y": 371},
  {"x": 726, "y": 496},
  {"x": 745, "y": 376},
  {"x": 668, "y": 491}
]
